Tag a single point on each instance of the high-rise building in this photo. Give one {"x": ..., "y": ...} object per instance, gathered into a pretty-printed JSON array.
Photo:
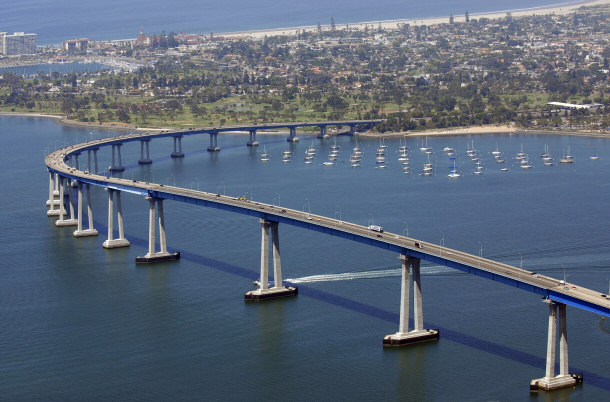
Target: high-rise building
[{"x": 17, "y": 43}]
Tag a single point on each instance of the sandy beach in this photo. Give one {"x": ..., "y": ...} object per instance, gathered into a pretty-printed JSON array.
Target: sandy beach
[{"x": 562, "y": 9}]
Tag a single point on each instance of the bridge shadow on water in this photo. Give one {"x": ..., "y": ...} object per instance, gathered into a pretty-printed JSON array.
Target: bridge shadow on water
[{"x": 375, "y": 312}]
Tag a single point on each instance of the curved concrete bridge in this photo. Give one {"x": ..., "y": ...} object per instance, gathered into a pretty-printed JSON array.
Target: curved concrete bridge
[{"x": 63, "y": 165}]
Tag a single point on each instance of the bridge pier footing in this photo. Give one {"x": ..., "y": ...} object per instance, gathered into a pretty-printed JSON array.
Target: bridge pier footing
[
  {"x": 116, "y": 167},
  {"x": 557, "y": 321},
  {"x": 79, "y": 232},
  {"x": 144, "y": 160},
  {"x": 163, "y": 255},
  {"x": 213, "y": 142},
  {"x": 405, "y": 337},
  {"x": 121, "y": 241},
  {"x": 252, "y": 142},
  {"x": 323, "y": 135},
  {"x": 62, "y": 222},
  {"x": 278, "y": 290},
  {"x": 177, "y": 151},
  {"x": 52, "y": 202},
  {"x": 293, "y": 135}
]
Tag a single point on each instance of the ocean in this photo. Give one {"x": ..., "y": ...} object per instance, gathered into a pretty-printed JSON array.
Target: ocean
[
  {"x": 83, "y": 323},
  {"x": 56, "y": 21}
]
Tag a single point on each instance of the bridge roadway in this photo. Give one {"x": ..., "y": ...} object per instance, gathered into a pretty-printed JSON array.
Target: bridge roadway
[
  {"x": 548, "y": 288},
  {"x": 226, "y": 129}
]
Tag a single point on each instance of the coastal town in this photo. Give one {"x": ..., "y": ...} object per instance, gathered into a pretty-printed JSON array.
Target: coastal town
[{"x": 546, "y": 71}]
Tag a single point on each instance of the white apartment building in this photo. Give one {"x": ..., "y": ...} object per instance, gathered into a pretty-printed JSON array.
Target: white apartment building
[{"x": 17, "y": 43}]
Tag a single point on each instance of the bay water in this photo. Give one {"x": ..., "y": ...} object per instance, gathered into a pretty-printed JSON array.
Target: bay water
[{"x": 81, "y": 322}]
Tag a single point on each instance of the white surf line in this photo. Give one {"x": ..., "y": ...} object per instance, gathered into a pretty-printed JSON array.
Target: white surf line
[{"x": 374, "y": 274}]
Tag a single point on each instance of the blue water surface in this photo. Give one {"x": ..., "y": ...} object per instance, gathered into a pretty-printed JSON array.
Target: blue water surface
[{"x": 81, "y": 322}]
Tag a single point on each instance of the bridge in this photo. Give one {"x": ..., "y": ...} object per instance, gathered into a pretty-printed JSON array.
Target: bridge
[{"x": 65, "y": 173}]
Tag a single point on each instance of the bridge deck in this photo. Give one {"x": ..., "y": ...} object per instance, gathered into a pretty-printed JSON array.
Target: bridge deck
[{"x": 547, "y": 287}]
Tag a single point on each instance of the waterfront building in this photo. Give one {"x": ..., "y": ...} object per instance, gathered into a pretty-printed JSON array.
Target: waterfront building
[
  {"x": 17, "y": 43},
  {"x": 75, "y": 45}
]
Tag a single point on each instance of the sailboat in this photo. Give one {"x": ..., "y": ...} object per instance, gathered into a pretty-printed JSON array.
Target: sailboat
[
  {"x": 520, "y": 155},
  {"x": 424, "y": 147},
  {"x": 335, "y": 146},
  {"x": 453, "y": 172},
  {"x": 479, "y": 168},
  {"x": 496, "y": 152},
  {"x": 403, "y": 147},
  {"x": 567, "y": 158},
  {"x": 471, "y": 152},
  {"x": 264, "y": 155},
  {"x": 427, "y": 171}
]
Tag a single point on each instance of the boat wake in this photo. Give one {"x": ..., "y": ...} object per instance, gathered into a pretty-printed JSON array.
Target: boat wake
[{"x": 373, "y": 274}]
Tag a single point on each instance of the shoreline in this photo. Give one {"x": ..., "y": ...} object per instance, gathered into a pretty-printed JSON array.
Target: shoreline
[
  {"x": 559, "y": 9},
  {"x": 473, "y": 130}
]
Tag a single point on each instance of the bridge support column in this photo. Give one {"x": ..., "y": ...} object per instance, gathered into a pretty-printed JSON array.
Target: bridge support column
[
  {"x": 143, "y": 160},
  {"x": 550, "y": 381},
  {"x": 352, "y": 130},
  {"x": 121, "y": 241},
  {"x": 292, "y": 137},
  {"x": 252, "y": 142},
  {"x": 63, "y": 186},
  {"x": 278, "y": 290},
  {"x": 79, "y": 232},
  {"x": 116, "y": 148},
  {"x": 214, "y": 142},
  {"x": 52, "y": 201},
  {"x": 95, "y": 170},
  {"x": 76, "y": 165},
  {"x": 323, "y": 133},
  {"x": 163, "y": 255},
  {"x": 418, "y": 334},
  {"x": 177, "y": 151}
]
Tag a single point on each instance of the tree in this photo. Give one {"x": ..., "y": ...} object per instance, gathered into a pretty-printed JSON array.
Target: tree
[{"x": 123, "y": 115}]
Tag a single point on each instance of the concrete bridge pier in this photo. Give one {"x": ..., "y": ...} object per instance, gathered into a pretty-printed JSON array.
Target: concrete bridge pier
[
  {"x": 252, "y": 142},
  {"x": 323, "y": 134},
  {"x": 292, "y": 137},
  {"x": 163, "y": 255},
  {"x": 56, "y": 190},
  {"x": 116, "y": 148},
  {"x": 213, "y": 142},
  {"x": 177, "y": 151},
  {"x": 76, "y": 165},
  {"x": 352, "y": 130},
  {"x": 79, "y": 232},
  {"x": 52, "y": 201},
  {"x": 143, "y": 160},
  {"x": 121, "y": 241},
  {"x": 89, "y": 151},
  {"x": 418, "y": 334},
  {"x": 278, "y": 290},
  {"x": 61, "y": 222},
  {"x": 550, "y": 381}
]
